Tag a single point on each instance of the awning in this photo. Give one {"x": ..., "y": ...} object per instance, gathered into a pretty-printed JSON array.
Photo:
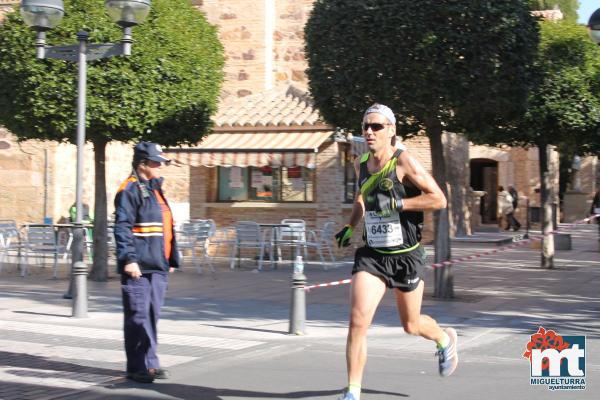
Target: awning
[{"x": 286, "y": 149}]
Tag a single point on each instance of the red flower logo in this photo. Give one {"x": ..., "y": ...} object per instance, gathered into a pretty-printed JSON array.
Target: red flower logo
[{"x": 545, "y": 339}]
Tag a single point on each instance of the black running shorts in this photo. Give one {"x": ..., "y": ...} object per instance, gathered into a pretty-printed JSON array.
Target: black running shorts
[{"x": 402, "y": 271}]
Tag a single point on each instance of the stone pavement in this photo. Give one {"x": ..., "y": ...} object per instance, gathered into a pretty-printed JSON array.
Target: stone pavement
[{"x": 223, "y": 335}]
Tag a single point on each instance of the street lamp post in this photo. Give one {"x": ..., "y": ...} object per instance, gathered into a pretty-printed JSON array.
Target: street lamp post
[
  {"x": 594, "y": 26},
  {"x": 43, "y": 15}
]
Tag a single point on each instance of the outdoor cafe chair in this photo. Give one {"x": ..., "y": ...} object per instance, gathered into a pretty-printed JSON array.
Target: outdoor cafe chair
[
  {"x": 88, "y": 243},
  {"x": 10, "y": 240},
  {"x": 291, "y": 234},
  {"x": 321, "y": 239},
  {"x": 248, "y": 235},
  {"x": 195, "y": 236},
  {"x": 41, "y": 241},
  {"x": 222, "y": 236},
  {"x": 186, "y": 240},
  {"x": 111, "y": 241},
  {"x": 204, "y": 231}
]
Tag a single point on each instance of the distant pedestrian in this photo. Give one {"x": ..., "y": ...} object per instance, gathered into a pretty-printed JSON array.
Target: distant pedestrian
[
  {"x": 146, "y": 253},
  {"x": 506, "y": 209},
  {"x": 87, "y": 219},
  {"x": 395, "y": 189},
  {"x": 515, "y": 203}
]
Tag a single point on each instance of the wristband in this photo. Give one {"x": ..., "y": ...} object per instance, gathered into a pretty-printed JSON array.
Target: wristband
[
  {"x": 343, "y": 237},
  {"x": 399, "y": 204}
]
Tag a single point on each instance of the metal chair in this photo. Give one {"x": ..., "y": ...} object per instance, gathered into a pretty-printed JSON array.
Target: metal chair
[
  {"x": 220, "y": 236},
  {"x": 321, "y": 239},
  {"x": 248, "y": 235},
  {"x": 88, "y": 243},
  {"x": 10, "y": 240},
  {"x": 204, "y": 230},
  {"x": 41, "y": 240},
  {"x": 186, "y": 240},
  {"x": 292, "y": 235},
  {"x": 110, "y": 240},
  {"x": 195, "y": 235}
]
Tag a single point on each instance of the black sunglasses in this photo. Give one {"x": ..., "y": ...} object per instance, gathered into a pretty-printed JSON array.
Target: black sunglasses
[{"x": 374, "y": 126}]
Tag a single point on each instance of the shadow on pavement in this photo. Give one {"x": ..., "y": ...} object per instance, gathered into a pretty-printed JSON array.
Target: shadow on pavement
[
  {"x": 45, "y": 314},
  {"x": 21, "y": 360},
  {"x": 207, "y": 393},
  {"x": 245, "y": 328}
]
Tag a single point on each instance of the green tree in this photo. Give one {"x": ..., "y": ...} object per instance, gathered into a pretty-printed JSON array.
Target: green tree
[
  {"x": 568, "y": 7},
  {"x": 164, "y": 92},
  {"x": 563, "y": 108},
  {"x": 440, "y": 65}
]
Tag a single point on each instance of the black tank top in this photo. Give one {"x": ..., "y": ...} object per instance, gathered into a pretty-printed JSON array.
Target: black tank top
[{"x": 410, "y": 221}]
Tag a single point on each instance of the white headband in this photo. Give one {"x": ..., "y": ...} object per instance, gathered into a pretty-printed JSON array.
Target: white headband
[{"x": 383, "y": 110}]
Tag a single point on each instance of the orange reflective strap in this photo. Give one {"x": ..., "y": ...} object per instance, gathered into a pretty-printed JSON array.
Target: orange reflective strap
[
  {"x": 147, "y": 229},
  {"x": 167, "y": 223},
  {"x": 125, "y": 183}
]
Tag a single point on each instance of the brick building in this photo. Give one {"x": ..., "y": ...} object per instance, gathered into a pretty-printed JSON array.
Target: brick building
[{"x": 264, "y": 101}]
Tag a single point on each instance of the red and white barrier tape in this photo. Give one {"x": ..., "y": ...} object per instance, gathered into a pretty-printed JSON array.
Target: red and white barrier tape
[
  {"x": 473, "y": 256},
  {"x": 335, "y": 283}
]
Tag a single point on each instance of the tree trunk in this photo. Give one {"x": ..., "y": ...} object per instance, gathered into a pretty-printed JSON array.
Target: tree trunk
[
  {"x": 100, "y": 266},
  {"x": 546, "y": 209},
  {"x": 456, "y": 150},
  {"x": 443, "y": 279}
]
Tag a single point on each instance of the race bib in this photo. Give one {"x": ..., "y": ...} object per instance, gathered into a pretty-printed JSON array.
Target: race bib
[
  {"x": 597, "y": 210},
  {"x": 383, "y": 231}
]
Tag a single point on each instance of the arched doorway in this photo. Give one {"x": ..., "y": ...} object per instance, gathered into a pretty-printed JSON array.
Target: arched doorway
[{"x": 484, "y": 177}]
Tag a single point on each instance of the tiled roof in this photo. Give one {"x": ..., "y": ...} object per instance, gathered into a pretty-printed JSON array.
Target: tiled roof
[{"x": 277, "y": 107}]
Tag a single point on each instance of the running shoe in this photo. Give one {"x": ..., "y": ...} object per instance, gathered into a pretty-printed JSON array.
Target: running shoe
[
  {"x": 346, "y": 396},
  {"x": 448, "y": 356}
]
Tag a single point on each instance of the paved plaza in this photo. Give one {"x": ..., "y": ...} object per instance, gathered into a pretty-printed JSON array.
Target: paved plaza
[{"x": 224, "y": 335}]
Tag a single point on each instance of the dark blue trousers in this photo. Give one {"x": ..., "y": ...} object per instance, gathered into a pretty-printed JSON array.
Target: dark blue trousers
[{"x": 142, "y": 301}]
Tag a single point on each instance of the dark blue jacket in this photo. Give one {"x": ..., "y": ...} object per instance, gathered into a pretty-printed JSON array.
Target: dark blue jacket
[{"x": 139, "y": 228}]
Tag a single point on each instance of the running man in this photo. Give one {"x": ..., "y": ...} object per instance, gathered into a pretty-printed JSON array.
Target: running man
[{"x": 394, "y": 191}]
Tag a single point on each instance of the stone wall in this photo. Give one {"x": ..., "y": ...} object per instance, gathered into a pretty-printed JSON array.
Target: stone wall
[
  {"x": 329, "y": 184},
  {"x": 23, "y": 179},
  {"x": 288, "y": 50},
  {"x": 33, "y": 173},
  {"x": 263, "y": 40},
  {"x": 520, "y": 167},
  {"x": 242, "y": 32}
]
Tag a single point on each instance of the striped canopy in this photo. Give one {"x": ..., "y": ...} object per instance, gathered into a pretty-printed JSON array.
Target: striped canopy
[{"x": 256, "y": 149}]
